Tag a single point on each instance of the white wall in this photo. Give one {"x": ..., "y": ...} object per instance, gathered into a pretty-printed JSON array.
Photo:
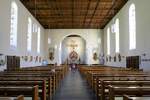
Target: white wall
[
  {"x": 91, "y": 37},
  {"x": 142, "y": 31},
  {"x": 23, "y": 14}
]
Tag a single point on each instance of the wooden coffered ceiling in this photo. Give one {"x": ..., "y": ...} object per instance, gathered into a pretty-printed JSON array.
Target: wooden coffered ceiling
[{"x": 67, "y": 14}]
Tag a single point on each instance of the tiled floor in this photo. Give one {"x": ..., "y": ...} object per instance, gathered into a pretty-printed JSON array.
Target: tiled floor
[{"x": 74, "y": 87}]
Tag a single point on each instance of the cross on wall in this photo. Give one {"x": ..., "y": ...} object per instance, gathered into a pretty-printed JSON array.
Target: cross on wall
[{"x": 72, "y": 45}]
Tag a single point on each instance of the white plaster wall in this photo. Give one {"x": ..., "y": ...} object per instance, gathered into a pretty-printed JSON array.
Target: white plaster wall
[
  {"x": 142, "y": 31},
  {"x": 91, "y": 37},
  {"x": 23, "y": 14}
]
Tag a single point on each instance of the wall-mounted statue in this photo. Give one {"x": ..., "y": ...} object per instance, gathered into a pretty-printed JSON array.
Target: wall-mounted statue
[
  {"x": 51, "y": 53},
  {"x": 22, "y": 57},
  {"x": 102, "y": 59},
  {"x": 36, "y": 59},
  {"x": 95, "y": 57},
  {"x": 2, "y": 60},
  {"x": 31, "y": 58},
  {"x": 106, "y": 59},
  {"x": 115, "y": 58},
  {"x": 26, "y": 58},
  {"x": 109, "y": 58},
  {"x": 40, "y": 59},
  {"x": 119, "y": 57}
]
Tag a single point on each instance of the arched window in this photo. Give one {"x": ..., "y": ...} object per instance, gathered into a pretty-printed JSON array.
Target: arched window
[
  {"x": 29, "y": 35},
  {"x": 117, "y": 35},
  {"x": 108, "y": 41},
  {"x": 132, "y": 27},
  {"x": 49, "y": 40},
  {"x": 13, "y": 25},
  {"x": 38, "y": 40}
]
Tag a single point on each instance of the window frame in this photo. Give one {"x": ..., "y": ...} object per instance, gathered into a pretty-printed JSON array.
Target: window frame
[
  {"x": 13, "y": 25},
  {"x": 39, "y": 40},
  {"x": 29, "y": 35},
  {"x": 108, "y": 41},
  {"x": 132, "y": 27},
  {"x": 117, "y": 36}
]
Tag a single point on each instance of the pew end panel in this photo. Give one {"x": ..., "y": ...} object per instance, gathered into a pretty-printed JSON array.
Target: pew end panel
[
  {"x": 126, "y": 97},
  {"x": 20, "y": 97},
  {"x": 36, "y": 92}
]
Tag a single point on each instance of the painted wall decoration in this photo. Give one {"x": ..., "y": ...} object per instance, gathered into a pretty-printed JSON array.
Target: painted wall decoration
[
  {"x": 73, "y": 56},
  {"x": 145, "y": 58},
  {"x": 2, "y": 60},
  {"x": 51, "y": 53}
]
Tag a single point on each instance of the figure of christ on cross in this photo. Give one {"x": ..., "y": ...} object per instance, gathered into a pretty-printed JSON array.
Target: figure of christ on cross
[{"x": 72, "y": 45}]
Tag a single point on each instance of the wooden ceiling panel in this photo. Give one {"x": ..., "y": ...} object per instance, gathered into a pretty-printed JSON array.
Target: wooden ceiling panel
[{"x": 73, "y": 13}]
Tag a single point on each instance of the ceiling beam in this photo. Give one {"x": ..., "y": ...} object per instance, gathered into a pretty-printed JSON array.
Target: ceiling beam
[
  {"x": 98, "y": 1},
  {"x": 79, "y": 9},
  {"x": 72, "y": 13},
  {"x": 89, "y": 1},
  {"x": 109, "y": 11}
]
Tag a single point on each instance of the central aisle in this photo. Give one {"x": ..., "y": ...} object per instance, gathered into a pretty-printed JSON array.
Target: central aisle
[{"x": 74, "y": 87}]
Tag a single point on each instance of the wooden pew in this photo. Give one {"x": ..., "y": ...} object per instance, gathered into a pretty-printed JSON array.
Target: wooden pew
[
  {"x": 31, "y": 78},
  {"x": 119, "y": 91},
  {"x": 20, "y": 97},
  {"x": 47, "y": 76},
  {"x": 95, "y": 79},
  {"x": 126, "y": 97},
  {"x": 103, "y": 85},
  {"x": 95, "y": 72},
  {"x": 15, "y": 90},
  {"x": 102, "y": 68},
  {"x": 41, "y": 84},
  {"x": 39, "y": 73},
  {"x": 60, "y": 72}
]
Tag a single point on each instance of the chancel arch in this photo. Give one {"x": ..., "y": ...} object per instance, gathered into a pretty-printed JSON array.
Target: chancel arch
[{"x": 73, "y": 50}]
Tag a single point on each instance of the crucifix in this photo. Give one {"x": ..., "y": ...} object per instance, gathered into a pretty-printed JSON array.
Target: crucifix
[{"x": 72, "y": 45}]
